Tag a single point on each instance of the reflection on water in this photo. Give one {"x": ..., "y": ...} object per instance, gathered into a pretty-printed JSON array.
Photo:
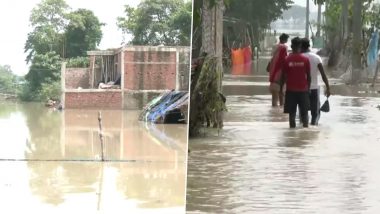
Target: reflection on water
[
  {"x": 259, "y": 165},
  {"x": 52, "y": 161}
]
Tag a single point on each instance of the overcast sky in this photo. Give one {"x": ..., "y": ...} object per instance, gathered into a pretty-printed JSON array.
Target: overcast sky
[
  {"x": 303, "y": 3},
  {"x": 14, "y": 25}
]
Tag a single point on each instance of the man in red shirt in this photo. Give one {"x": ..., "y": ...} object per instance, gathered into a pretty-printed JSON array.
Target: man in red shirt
[{"x": 296, "y": 74}]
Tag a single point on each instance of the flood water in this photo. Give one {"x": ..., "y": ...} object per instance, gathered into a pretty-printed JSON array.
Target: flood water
[
  {"x": 51, "y": 162},
  {"x": 259, "y": 165}
]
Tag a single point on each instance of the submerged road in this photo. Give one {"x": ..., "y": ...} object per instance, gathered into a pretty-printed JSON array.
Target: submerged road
[{"x": 259, "y": 165}]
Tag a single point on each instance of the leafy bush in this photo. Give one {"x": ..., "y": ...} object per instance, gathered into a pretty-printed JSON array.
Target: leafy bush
[
  {"x": 78, "y": 62},
  {"x": 50, "y": 91}
]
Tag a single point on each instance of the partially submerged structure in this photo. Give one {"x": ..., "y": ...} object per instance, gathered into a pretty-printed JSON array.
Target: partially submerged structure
[{"x": 126, "y": 78}]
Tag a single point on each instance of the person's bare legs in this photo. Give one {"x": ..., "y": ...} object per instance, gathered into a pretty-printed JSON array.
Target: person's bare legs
[
  {"x": 281, "y": 98},
  {"x": 275, "y": 97},
  {"x": 275, "y": 91}
]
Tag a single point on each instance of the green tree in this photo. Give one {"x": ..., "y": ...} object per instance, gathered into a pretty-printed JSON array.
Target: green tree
[
  {"x": 83, "y": 33},
  {"x": 156, "y": 22},
  {"x": 48, "y": 20},
  {"x": 259, "y": 14},
  {"x": 8, "y": 80},
  {"x": 57, "y": 33},
  {"x": 44, "y": 72}
]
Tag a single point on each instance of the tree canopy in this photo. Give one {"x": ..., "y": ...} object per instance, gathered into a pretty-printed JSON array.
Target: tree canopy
[
  {"x": 83, "y": 33},
  {"x": 258, "y": 13},
  {"x": 57, "y": 34},
  {"x": 158, "y": 22},
  {"x": 48, "y": 20},
  {"x": 7, "y": 79}
]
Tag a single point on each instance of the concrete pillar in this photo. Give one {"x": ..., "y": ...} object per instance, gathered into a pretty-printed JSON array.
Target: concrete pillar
[
  {"x": 177, "y": 72},
  {"x": 122, "y": 73},
  {"x": 63, "y": 83}
]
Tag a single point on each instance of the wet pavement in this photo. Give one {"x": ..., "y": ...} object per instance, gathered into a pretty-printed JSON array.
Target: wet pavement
[
  {"x": 258, "y": 165},
  {"x": 51, "y": 162}
]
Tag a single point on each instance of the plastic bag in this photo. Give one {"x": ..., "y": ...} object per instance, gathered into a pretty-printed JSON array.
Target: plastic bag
[{"x": 326, "y": 106}]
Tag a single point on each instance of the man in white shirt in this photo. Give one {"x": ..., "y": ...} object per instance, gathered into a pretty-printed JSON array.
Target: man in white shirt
[{"x": 316, "y": 67}]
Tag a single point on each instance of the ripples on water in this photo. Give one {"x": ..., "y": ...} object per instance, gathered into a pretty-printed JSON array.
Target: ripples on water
[
  {"x": 259, "y": 165},
  {"x": 50, "y": 162}
]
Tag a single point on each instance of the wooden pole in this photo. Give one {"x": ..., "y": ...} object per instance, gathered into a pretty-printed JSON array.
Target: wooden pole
[{"x": 101, "y": 134}]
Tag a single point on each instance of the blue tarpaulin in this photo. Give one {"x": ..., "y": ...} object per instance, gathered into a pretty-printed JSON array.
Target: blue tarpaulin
[
  {"x": 373, "y": 48},
  {"x": 166, "y": 106}
]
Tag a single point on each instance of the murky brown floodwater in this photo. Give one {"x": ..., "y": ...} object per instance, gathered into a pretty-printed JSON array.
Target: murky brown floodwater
[
  {"x": 259, "y": 165},
  {"x": 50, "y": 162}
]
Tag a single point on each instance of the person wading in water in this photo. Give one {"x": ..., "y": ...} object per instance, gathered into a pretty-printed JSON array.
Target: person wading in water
[
  {"x": 316, "y": 67},
  {"x": 296, "y": 75},
  {"x": 274, "y": 67}
]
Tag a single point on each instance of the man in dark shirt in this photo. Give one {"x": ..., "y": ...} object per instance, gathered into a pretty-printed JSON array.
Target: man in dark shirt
[{"x": 296, "y": 74}]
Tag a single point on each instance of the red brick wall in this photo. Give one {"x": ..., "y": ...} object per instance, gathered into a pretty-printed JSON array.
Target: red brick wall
[
  {"x": 149, "y": 70},
  {"x": 77, "y": 77},
  {"x": 101, "y": 99}
]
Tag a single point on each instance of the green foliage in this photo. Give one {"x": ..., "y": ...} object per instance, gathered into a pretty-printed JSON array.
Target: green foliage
[
  {"x": 83, "y": 33},
  {"x": 48, "y": 22},
  {"x": 8, "y": 80},
  {"x": 57, "y": 34},
  {"x": 45, "y": 70},
  {"x": 333, "y": 13},
  {"x": 258, "y": 13},
  {"x": 26, "y": 94},
  {"x": 51, "y": 90},
  {"x": 371, "y": 17},
  {"x": 158, "y": 22},
  {"x": 78, "y": 62},
  {"x": 70, "y": 34}
]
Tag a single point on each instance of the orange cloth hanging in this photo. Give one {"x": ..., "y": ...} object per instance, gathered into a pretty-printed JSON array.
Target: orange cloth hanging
[{"x": 237, "y": 56}]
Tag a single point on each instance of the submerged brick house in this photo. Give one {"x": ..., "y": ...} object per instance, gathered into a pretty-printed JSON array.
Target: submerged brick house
[{"x": 143, "y": 71}]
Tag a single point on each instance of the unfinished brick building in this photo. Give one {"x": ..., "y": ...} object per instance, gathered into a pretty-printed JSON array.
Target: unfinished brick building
[{"x": 144, "y": 72}]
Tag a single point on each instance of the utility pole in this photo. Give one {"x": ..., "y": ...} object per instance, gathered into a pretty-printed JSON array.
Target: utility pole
[{"x": 307, "y": 18}]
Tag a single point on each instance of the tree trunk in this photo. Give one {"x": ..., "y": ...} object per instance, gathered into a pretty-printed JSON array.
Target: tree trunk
[
  {"x": 208, "y": 28},
  {"x": 345, "y": 19},
  {"x": 307, "y": 18},
  {"x": 356, "y": 43},
  {"x": 212, "y": 45},
  {"x": 212, "y": 33},
  {"x": 319, "y": 20}
]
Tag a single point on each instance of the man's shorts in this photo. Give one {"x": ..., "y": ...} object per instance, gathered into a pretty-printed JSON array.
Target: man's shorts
[{"x": 294, "y": 99}]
